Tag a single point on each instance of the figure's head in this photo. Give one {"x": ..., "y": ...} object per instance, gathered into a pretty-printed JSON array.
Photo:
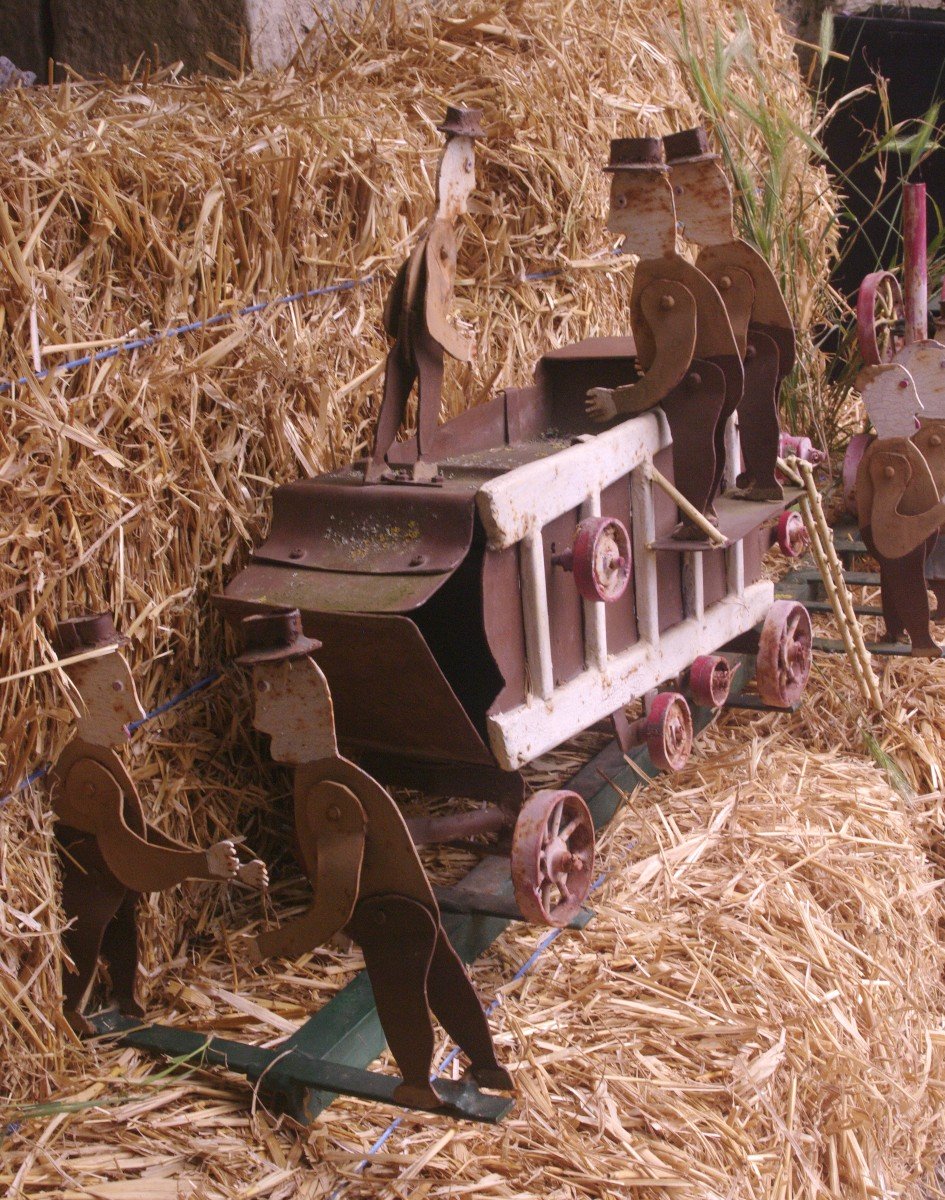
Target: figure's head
[
  {"x": 641, "y": 199},
  {"x": 107, "y": 693},
  {"x": 292, "y": 701},
  {"x": 456, "y": 178},
  {"x": 700, "y": 188},
  {"x": 925, "y": 362},
  {"x": 891, "y": 400}
]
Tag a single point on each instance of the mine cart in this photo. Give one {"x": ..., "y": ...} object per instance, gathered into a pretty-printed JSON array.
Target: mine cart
[{"x": 473, "y": 623}]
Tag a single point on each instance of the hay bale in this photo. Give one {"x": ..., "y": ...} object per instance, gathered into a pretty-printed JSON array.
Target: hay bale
[{"x": 138, "y": 483}]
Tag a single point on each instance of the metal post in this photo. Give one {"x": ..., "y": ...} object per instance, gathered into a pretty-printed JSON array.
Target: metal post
[{"x": 915, "y": 264}]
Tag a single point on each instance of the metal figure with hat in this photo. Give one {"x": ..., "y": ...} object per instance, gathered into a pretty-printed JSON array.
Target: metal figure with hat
[
  {"x": 685, "y": 344},
  {"x": 417, "y": 311},
  {"x": 363, "y": 866},
  {"x": 898, "y": 503},
  {"x": 760, "y": 320},
  {"x": 109, "y": 854}
]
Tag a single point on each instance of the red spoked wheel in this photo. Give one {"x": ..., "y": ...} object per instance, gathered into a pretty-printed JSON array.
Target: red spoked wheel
[
  {"x": 600, "y": 558},
  {"x": 793, "y": 538},
  {"x": 851, "y": 464},
  {"x": 669, "y": 731},
  {"x": 880, "y": 318},
  {"x": 784, "y": 654},
  {"x": 710, "y": 679},
  {"x": 552, "y": 857}
]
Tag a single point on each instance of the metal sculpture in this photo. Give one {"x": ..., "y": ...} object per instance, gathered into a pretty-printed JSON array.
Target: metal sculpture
[
  {"x": 759, "y": 316},
  {"x": 898, "y": 504},
  {"x": 417, "y": 311},
  {"x": 686, "y": 347},
  {"x": 365, "y": 873},
  {"x": 109, "y": 854}
]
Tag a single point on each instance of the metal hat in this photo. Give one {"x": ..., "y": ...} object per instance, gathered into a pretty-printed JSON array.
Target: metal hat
[
  {"x": 636, "y": 154},
  {"x": 274, "y": 637},
  {"x": 91, "y": 631},
  {"x": 690, "y": 145},
  {"x": 462, "y": 122}
]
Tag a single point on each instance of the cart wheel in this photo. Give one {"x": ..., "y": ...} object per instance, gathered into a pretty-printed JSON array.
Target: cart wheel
[
  {"x": 710, "y": 678},
  {"x": 552, "y": 857},
  {"x": 669, "y": 732},
  {"x": 879, "y": 318},
  {"x": 851, "y": 464},
  {"x": 784, "y": 654},
  {"x": 793, "y": 538},
  {"x": 601, "y": 559}
]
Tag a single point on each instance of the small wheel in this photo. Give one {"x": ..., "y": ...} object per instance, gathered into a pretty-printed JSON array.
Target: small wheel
[
  {"x": 552, "y": 857},
  {"x": 851, "y": 464},
  {"x": 601, "y": 559},
  {"x": 669, "y": 732},
  {"x": 710, "y": 679},
  {"x": 784, "y": 654},
  {"x": 880, "y": 318},
  {"x": 793, "y": 538}
]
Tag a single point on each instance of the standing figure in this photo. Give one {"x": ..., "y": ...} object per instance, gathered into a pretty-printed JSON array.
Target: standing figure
[
  {"x": 417, "y": 309},
  {"x": 756, "y": 308},
  {"x": 925, "y": 362},
  {"x": 363, "y": 866},
  {"x": 684, "y": 339},
  {"x": 108, "y": 852},
  {"x": 898, "y": 504}
]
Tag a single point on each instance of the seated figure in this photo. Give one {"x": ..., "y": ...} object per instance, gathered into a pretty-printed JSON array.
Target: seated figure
[
  {"x": 363, "y": 866},
  {"x": 108, "y": 853},
  {"x": 685, "y": 345}
]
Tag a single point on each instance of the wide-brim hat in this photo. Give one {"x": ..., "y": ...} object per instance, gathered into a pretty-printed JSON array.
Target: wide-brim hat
[
  {"x": 274, "y": 637},
  {"x": 688, "y": 146},
  {"x": 636, "y": 154},
  {"x": 91, "y": 631},
  {"x": 462, "y": 122}
]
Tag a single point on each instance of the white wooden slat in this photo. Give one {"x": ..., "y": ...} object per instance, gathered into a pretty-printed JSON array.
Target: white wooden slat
[
  {"x": 693, "y": 584},
  {"x": 532, "y": 729},
  {"x": 733, "y": 452},
  {"x": 535, "y": 612},
  {"x": 644, "y": 559},
  {"x": 534, "y": 494}
]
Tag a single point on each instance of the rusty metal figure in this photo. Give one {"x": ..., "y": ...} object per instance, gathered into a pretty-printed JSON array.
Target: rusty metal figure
[
  {"x": 760, "y": 320},
  {"x": 898, "y": 504},
  {"x": 366, "y": 876},
  {"x": 417, "y": 311},
  {"x": 685, "y": 344},
  {"x": 108, "y": 852}
]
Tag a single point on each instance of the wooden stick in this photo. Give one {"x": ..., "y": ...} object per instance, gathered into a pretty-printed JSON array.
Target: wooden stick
[
  {"x": 684, "y": 506},
  {"x": 99, "y": 652}
]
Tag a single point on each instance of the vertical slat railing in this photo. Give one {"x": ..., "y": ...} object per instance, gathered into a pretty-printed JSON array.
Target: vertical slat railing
[
  {"x": 535, "y": 612},
  {"x": 595, "y": 617},
  {"x": 644, "y": 558}
]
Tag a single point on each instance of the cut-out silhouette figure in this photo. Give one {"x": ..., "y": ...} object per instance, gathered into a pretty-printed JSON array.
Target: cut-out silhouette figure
[
  {"x": 108, "y": 852},
  {"x": 417, "y": 311},
  {"x": 756, "y": 308},
  {"x": 685, "y": 345},
  {"x": 898, "y": 504},
  {"x": 364, "y": 869}
]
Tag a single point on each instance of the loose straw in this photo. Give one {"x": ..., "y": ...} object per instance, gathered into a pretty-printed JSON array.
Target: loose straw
[{"x": 831, "y": 572}]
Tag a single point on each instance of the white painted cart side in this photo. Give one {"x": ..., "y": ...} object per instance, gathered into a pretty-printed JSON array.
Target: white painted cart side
[{"x": 514, "y": 509}]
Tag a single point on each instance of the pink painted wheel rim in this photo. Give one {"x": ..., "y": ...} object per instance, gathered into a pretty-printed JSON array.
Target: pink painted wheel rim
[
  {"x": 710, "y": 680},
  {"x": 879, "y": 309},
  {"x": 793, "y": 538},
  {"x": 601, "y": 559},
  {"x": 669, "y": 732},
  {"x": 784, "y": 654},
  {"x": 552, "y": 857}
]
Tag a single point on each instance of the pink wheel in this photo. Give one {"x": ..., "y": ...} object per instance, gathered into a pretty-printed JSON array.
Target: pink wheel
[
  {"x": 600, "y": 559},
  {"x": 851, "y": 464},
  {"x": 784, "y": 654},
  {"x": 793, "y": 538},
  {"x": 552, "y": 857},
  {"x": 669, "y": 732},
  {"x": 710, "y": 678},
  {"x": 879, "y": 318}
]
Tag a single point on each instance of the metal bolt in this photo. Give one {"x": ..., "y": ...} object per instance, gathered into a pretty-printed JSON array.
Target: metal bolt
[
  {"x": 295, "y": 554},
  {"x": 380, "y": 917},
  {"x": 667, "y": 302},
  {"x": 333, "y": 813},
  {"x": 725, "y": 283},
  {"x": 889, "y": 472},
  {"x": 694, "y": 379},
  {"x": 935, "y": 440},
  {"x": 903, "y": 383},
  {"x": 418, "y": 560},
  {"x": 750, "y": 352}
]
